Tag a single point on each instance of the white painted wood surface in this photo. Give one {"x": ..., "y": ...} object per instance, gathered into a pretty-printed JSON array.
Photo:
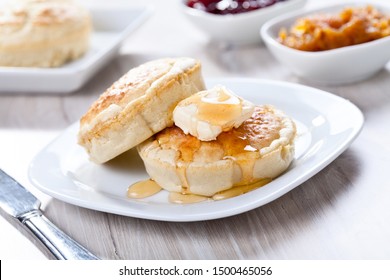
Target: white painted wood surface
[{"x": 341, "y": 213}]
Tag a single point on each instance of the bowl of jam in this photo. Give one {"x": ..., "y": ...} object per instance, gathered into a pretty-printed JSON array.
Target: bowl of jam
[{"x": 235, "y": 21}]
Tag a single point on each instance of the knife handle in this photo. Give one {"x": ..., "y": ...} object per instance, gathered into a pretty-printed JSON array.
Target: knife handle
[{"x": 59, "y": 244}]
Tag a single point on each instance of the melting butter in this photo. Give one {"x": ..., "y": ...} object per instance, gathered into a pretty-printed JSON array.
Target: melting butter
[
  {"x": 208, "y": 113},
  {"x": 218, "y": 107}
]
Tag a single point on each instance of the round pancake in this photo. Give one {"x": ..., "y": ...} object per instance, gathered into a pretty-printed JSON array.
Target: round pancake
[
  {"x": 44, "y": 33},
  {"x": 262, "y": 147},
  {"x": 137, "y": 106}
]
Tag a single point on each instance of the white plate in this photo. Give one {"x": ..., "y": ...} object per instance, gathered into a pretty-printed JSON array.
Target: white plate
[
  {"x": 327, "y": 124},
  {"x": 106, "y": 39}
]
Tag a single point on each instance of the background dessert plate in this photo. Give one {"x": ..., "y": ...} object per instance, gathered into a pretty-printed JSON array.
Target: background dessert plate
[
  {"x": 106, "y": 39},
  {"x": 326, "y": 125}
]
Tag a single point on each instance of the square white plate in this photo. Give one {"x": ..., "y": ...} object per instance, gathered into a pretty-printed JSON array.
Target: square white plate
[
  {"x": 111, "y": 25},
  {"x": 327, "y": 124}
]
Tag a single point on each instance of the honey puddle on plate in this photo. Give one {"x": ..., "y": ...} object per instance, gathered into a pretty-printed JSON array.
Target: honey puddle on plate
[
  {"x": 143, "y": 189},
  {"x": 149, "y": 187},
  {"x": 179, "y": 198}
]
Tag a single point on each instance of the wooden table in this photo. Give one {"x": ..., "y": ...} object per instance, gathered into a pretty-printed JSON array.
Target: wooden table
[{"x": 343, "y": 212}]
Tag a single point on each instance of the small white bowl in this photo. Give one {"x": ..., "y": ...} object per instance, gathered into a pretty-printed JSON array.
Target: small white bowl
[
  {"x": 332, "y": 67},
  {"x": 240, "y": 28}
]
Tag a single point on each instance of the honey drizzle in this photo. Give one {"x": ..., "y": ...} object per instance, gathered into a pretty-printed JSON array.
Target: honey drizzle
[
  {"x": 218, "y": 106},
  {"x": 143, "y": 189},
  {"x": 246, "y": 167},
  {"x": 179, "y": 198},
  {"x": 181, "y": 172},
  {"x": 238, "y": 190},
  {"x": 149, "y": 187}
]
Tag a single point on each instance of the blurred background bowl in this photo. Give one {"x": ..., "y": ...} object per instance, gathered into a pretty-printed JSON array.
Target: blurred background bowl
[
  {"x": 331, "y": 67},
  {"x": 241, "y": 28}
]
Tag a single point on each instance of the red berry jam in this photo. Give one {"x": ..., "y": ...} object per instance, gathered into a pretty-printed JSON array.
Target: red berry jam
[{"x": 224, "y": 7}]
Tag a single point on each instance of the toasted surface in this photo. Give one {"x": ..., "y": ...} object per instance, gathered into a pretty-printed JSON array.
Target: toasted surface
[
  {"x": 262, "y": 147},
  {"x": 137, "y": 106},
  {"x": 43, "y": 33}
]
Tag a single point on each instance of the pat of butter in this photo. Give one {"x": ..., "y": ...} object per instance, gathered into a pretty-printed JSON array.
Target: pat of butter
[{"x": 208, "y": 113}]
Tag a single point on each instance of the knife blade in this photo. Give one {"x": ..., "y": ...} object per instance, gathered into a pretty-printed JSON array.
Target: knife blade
[{"x": 19, "y": 203}]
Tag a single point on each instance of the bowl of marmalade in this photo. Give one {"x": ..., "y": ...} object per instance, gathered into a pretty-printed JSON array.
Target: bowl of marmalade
[{"x": 334, "y": 45}]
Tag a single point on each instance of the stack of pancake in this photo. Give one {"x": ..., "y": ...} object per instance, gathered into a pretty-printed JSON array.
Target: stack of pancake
[{"x": 192, "y": 140}]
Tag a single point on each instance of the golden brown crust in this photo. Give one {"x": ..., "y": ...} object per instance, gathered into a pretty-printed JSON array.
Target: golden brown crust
[
  {"x": 257, "y": 132},
  {"x": 262, "y": 147},
  {"x": 129, "y": 87},
  {"x": 138, "y": 105}
]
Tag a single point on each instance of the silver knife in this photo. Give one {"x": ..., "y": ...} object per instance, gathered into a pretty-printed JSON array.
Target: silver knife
[{"x": 18, "y": 202}]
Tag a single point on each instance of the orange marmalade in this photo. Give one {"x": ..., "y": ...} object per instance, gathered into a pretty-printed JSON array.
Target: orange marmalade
[{"x": 322, "y": 32}]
